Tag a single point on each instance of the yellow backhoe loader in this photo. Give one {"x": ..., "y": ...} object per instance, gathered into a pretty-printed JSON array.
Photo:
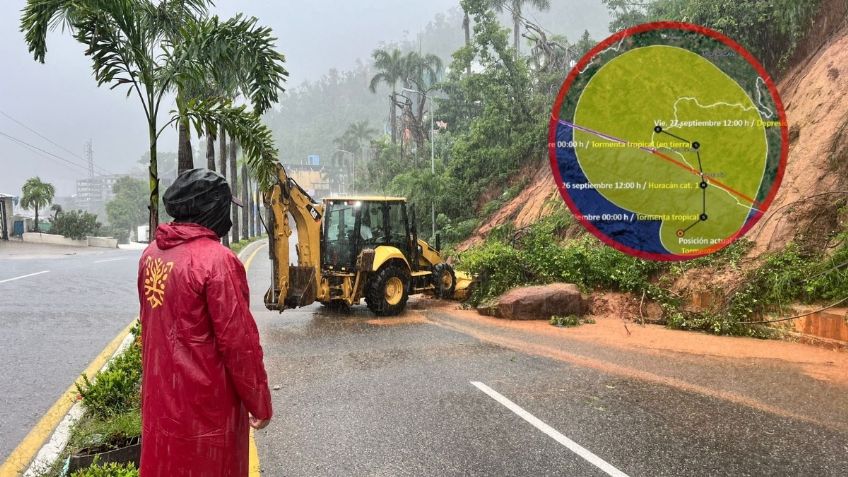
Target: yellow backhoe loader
[{"x": 349, "y": 248}]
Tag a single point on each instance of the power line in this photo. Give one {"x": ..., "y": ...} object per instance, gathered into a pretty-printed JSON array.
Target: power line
[
  {"x": 102, "y": 170},
  {"x": 47, "y": 154}
]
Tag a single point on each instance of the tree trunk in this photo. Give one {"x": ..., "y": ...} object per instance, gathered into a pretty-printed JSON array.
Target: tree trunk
[
  {"x": 466, "y": 26},
  {"x": 210, "y": 151},
  {"x": 222, "y": 168},
  {"x": 516, "y": 31},
  {"x": 185, "y": 161},
  {"x": 393, "y": 115},
  {"x": 260, "y": 228},
  {"x": 245, "y": 212},
  {"x": 36, "y": 219},
  {"x": 153, "y": 172},
  {"x": 251, "y": 230},
  {"x": 234, "y": 188}
]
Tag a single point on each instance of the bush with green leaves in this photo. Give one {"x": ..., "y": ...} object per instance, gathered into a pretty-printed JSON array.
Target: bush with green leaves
[
  {"x": 115, "y": 390},
  {"x": 108, "y": 470},
  {"x": 75, "y": 224},
  {"x": 571, "y": 321}
]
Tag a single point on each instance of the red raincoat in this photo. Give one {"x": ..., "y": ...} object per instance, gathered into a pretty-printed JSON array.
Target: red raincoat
[{"x": 202, "y": 362}]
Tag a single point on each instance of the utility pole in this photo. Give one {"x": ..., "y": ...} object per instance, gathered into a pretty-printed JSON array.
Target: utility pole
[
  {"x": 433, "y": 163},
  {"x": 89, "y": 157}
]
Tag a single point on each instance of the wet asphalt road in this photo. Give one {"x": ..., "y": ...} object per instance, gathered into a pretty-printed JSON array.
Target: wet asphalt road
[
  {"x": 54, "y": 324},
  {"x": 393, "y": 397}
]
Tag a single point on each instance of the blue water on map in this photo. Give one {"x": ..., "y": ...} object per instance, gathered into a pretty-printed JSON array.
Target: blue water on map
[{"x": 642, "y": 235}]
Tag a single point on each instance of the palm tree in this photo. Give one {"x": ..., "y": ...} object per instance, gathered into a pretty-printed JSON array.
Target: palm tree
[
  {"x": 515, "y": 7},
  {"x": 234, "y": 188},
  {"x": 392, "y": 68},
  {"x": 252, "y": 68},
  {"x": 131, "y": 44},
  {"x": 36, "y": 194}
]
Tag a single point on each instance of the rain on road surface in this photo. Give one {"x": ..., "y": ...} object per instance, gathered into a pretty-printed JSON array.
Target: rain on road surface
[
  {"x": 60, "y": 307},
  {"x": 432, "y": 393},
  {"x": 360, "y": 395}
]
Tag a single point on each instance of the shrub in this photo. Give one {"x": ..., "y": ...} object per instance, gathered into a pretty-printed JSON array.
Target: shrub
[
  {"x": 498, "y": 267},
  {"x": 116, "y": 390},
  {"x": 571, "y": 321},
  {"x": 108, "y": 470},
  {"x": 75, "y": 224}
]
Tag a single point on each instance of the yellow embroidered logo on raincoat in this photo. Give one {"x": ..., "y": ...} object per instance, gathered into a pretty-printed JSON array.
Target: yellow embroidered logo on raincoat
[{"x": 155, "y": 275}]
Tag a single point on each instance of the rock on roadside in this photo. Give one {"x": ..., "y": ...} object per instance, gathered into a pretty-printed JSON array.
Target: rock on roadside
[{"x": 537, "y": 303}]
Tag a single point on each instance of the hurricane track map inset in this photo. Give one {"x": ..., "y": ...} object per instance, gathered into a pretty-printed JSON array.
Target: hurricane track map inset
[{"x": 668, "y": 141}]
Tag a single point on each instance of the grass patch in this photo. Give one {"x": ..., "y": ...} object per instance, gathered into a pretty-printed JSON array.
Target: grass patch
[
  {"x": 571, "y": 321},
  {"x": 241, "y": 244}
]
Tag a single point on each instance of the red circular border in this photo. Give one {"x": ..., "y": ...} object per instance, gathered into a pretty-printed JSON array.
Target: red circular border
[{"x": 566, "y": 86}]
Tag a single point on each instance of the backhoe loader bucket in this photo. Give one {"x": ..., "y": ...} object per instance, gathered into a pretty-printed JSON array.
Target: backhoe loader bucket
[{"x": 464, "y": 284}]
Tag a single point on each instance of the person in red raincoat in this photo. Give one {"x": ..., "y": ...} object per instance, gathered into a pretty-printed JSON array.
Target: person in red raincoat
[{"x": 203, "y": 379}]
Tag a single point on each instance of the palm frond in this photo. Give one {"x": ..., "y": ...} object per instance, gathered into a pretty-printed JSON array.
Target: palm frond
[{"x": 243, "y": 126}]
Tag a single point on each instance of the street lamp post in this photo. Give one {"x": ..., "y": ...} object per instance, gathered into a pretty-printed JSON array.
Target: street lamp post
[
  {"x": 432, "y": 156},
  {"x": 352, "y": 168}
]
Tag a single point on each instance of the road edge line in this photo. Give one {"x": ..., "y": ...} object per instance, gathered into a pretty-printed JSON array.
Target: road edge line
[
  {"x": 26, "y": 451},
  {"x": 252, "y": 451}
]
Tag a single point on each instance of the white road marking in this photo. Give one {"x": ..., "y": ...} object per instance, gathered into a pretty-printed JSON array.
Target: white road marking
[
  {"x": 111, "y": 260},
  {"x": 24, "y": 276},
  {"x": 551, "y": 432}
]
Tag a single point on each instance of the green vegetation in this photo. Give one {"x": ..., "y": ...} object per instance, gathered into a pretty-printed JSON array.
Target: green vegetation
[
  {"x": 75, "y": 224},
  {"x": 771, "y": 30},
  {"x": 128, "y": 209},
  {"x": 36, "y": 195},
  {"x": 237, "y": 247},
  {"x": 114, "y": 391},
  {"x": 108, "y": 470},
  {"x": 571, "y": 321},
  {"x": 776, "y": 281}
]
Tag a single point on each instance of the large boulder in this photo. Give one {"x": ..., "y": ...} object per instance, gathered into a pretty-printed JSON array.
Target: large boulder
[{"x": 537, "y": 303}]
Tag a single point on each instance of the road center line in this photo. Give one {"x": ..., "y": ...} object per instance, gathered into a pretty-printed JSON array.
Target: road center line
[
  {"x": 23, "y": 276},
  {"x": 550, "y": 431},
  {"x": 110, "y": 260}
]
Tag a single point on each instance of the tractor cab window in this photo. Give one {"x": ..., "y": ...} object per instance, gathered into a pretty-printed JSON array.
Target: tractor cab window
[
  {"x": 339, "y": 227},
  {"x": 372, "y": 229},
  {"x": 398, "y": 232}
]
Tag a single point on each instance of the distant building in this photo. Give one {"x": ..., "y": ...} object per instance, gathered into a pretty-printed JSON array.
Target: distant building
[
  {"x": 94, "y": 192},
  {"x": 312, "y": 178},
  {"x": 7, "y": 211}
]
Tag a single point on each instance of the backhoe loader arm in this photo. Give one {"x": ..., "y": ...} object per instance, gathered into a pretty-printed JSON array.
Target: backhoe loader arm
[{"x": 295, "y": 285}]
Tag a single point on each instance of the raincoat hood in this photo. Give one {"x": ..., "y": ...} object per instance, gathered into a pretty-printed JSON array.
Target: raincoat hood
[
  {"x": 200, "y": 196},
  {"x": 177, "y": 233}
]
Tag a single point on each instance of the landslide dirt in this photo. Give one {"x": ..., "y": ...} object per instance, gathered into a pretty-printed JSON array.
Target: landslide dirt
[
  {"x": 539, "y": 199},
  {"x": 815, "y": 94}
]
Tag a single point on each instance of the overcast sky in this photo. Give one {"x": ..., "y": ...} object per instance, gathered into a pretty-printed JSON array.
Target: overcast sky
[{"x": 60, "y": 99}]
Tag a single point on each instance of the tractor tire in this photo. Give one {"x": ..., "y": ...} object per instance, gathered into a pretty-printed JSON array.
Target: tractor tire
[
  {"x": 444, "y": 280},
  {"x": 387, "y": 291}
]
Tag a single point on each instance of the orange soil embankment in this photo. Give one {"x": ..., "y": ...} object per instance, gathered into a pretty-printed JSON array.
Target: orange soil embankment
[{"x": 815, "y": 94}]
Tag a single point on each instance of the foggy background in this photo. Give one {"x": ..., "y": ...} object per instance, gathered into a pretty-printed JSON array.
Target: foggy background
[{"x": 59, "y": 100}]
